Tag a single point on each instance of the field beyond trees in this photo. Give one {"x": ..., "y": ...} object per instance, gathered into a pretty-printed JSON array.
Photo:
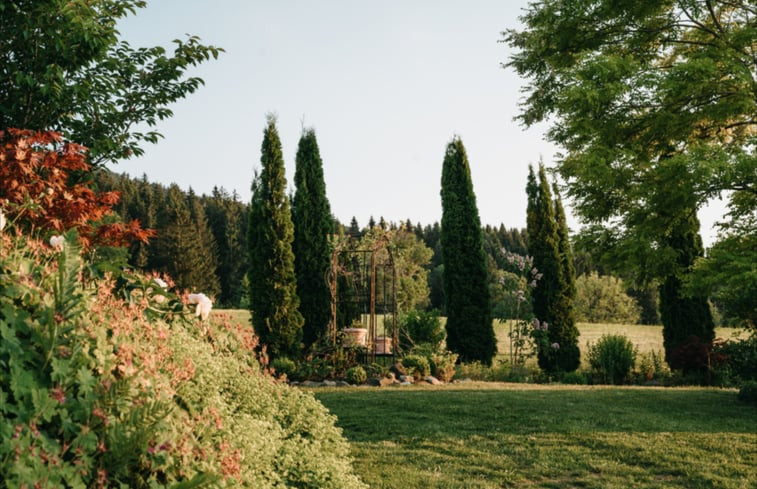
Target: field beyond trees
[
  {"x": 644, "y": 337},
  {"x": 489, "y": 435}
]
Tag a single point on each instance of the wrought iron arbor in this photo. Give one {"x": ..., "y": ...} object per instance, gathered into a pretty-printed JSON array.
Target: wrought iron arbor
[{"x": 363, "y": 283}]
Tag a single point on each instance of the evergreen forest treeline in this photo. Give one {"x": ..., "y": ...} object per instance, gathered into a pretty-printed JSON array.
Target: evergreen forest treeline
[{"x": 201, "y": 240}]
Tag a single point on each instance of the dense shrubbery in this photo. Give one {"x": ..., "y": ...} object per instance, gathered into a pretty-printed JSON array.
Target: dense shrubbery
[
  {"x": 443, "y": 365},
  {"x": 652, "y": 367},
  {"x": 96, "y": 391},
  {"x": 418, "y": 327},
  {"x": 612, "y": 359},
  {"x": 603, "y": 299},
  {"x": 736, "y": 360}
]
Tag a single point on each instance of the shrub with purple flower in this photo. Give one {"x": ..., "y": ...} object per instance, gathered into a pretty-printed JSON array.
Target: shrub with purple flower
[{"x": 526, "y": 332}]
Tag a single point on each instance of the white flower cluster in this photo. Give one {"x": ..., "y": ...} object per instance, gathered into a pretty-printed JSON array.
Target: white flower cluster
[
  {"x": 2, "y": 220},
  {"x": 204, "y": 305},
  {"x": 57, "y": 242},
  {"x": 160, "y": 299}
]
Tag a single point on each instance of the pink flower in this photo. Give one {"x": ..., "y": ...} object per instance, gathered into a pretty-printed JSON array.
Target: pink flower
[
  {"x": 58, "y": 394},
  {"x": 555, "y": 346}
]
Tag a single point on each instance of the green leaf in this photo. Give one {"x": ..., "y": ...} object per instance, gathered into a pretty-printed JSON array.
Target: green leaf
[{"x": 86, "y": 381}]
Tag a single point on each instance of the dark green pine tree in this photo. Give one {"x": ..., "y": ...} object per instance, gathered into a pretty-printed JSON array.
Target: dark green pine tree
[
  {"x": 311, "y": 215},
  {"x": 560, "y": 353},
  {"x": 227, "y": 218},
  {"x": 182, "y": 248},
  {"x": 354, "y": 229},
  {"x": 466, "y": 290},
  {"x": 273, "y": 285},
  {"x": 686, "y": 320},
  {"x": 204, "y": 273}
]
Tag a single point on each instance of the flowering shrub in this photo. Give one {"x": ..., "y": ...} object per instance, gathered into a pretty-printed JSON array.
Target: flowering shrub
[
  {"x": 86, "y": 382},
  {"x": 526, "y": 333},
  {"x": 104, "y": 389}
]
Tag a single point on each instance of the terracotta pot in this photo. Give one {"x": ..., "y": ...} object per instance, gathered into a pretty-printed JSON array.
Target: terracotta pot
[
  {"x": 383, "y": 345},
  {"x": 355, "y": 336}
]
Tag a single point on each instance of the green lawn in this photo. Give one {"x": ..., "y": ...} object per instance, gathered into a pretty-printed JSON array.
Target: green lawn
[{"x": 519, "y": 435}]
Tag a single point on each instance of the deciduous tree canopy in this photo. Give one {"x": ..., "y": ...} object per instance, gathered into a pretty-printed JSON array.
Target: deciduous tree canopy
[
  {"x": 63, "y": 68},
  {"x": 655, "y": 107}
]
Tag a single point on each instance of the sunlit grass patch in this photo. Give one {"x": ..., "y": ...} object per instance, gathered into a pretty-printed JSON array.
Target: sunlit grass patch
[{"x": 491, "y": 435}]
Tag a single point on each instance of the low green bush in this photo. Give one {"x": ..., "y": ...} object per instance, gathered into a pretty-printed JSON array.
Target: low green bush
[
  {"x": 499, "y": 372},
  {"x": 443, "y": 365},
  {"x": 418, "y": 327},
  {"x": 652, "y": 368},
  {"x": 611, "y": 359},
  {"x": 283, "y": 367},
  {"x": 356, "y": 375},
  {"x": 376, "y": 371},
  {"x": 574, "y": 378},
  {"x": 417, "y": 366}
]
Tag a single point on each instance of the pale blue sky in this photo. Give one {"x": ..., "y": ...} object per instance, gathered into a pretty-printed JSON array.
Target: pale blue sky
[{"x": 385, "y": 85}]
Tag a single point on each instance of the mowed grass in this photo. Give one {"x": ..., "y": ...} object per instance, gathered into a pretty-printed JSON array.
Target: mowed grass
[
  {"x": 518, "y": 435},
  {"x": 493, "y": 435}
]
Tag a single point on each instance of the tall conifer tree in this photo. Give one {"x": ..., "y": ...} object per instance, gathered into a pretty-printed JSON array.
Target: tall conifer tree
[
  {"x": 551, "y": 298},
  {"x": 570, "y": 355},
  {"x": 226, "y": 218},
  {"x": 684, "y": 317},
  {"x": 184, "y": 247},
  {"x": 469, "y": 322},
  {"x": 273, "y": 286},
  {"x": 311, "y": 215}
]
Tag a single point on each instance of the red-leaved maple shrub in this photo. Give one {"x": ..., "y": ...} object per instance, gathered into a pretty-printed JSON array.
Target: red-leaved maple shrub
[{"x": 38, "y": 189}]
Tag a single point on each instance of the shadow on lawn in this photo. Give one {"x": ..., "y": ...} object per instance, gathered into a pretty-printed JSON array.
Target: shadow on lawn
[{"x": 375, "y": 415}]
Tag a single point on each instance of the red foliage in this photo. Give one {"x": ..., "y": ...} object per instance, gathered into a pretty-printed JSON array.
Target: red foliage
[
  {"x": 37, "y": 188},
  {"x": 692, "y": 355}
]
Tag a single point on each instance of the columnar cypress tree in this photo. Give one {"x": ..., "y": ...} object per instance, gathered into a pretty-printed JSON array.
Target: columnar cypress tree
[
  {"x": 469, "y": 323},
  {"x": 311, "y": 215},
  {"x": 551, "y": 298},
  {"x": 273, "y": 285},
  {"x": 570, "y": 356},
  {"x": 684, "y": 317}
]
